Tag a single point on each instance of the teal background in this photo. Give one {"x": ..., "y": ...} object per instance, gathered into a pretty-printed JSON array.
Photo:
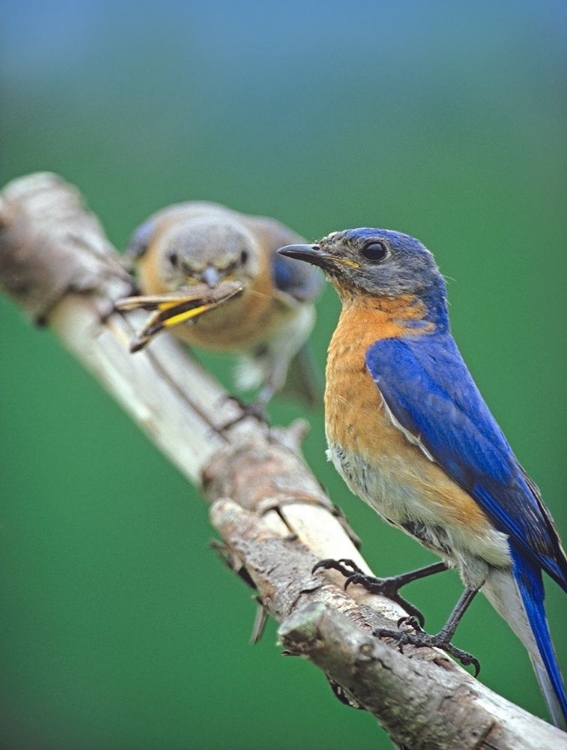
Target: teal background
[{"x": 119, "y": 627}]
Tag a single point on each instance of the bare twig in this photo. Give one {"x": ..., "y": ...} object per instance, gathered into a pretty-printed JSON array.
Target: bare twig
[{"x": 273, "y": 517}]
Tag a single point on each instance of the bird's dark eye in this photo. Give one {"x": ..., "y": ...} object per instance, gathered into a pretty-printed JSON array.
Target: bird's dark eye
[
  {"x": 173, "y": 258},
  {"x": 375, "y": 251},
  {"x": 244, "y": 256}
]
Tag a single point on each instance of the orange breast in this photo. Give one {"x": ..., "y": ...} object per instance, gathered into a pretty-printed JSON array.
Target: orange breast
[
  {"x": 354, "y": 413},
  {"x": 357, "y": 421}
]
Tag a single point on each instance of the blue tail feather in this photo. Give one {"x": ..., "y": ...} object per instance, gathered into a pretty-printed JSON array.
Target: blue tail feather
[{"x": 530, "y": 585}]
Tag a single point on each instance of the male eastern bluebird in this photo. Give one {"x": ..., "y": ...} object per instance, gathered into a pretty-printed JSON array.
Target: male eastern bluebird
[
  {"x": 409, "y": 432},
  {"x": 268, "y": 324}
]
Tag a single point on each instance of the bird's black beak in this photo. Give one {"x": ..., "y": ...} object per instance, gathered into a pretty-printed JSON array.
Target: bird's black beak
[{"x": 309, "y": 253}]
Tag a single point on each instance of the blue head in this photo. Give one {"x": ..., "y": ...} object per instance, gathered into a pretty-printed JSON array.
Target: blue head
[{"x": 378, "y": 263}]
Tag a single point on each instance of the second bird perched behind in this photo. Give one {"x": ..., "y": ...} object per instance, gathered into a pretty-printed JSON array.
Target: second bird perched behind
[{"x": 268, "y": 324}]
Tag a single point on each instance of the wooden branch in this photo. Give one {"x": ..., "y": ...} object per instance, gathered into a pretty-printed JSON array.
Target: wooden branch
[{"x": 269, "y": 509}]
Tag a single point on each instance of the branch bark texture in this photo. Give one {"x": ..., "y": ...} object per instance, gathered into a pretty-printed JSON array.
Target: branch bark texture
[{"x": 273, "y": 517}]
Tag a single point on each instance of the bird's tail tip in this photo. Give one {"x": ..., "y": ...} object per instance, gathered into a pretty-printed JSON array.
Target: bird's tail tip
[
  {"x": 519, "y": 598},
  {"x": 529, "y": 581}
]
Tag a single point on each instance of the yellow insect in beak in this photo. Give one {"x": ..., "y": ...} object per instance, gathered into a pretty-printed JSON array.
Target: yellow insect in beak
[{"x": 173, "y": 309}]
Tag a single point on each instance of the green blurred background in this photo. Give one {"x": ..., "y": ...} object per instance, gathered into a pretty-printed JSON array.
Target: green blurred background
[{"x": 119, "y": 627}]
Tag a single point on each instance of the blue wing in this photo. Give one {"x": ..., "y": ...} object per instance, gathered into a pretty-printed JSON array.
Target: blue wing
[{"x": 430, "y": 391}]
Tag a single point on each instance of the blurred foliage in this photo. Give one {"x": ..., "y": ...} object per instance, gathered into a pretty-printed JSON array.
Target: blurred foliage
[{"x": 119, "y": 627}]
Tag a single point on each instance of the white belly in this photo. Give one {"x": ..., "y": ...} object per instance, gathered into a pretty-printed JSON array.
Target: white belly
[{"x": 400, "y": 502}]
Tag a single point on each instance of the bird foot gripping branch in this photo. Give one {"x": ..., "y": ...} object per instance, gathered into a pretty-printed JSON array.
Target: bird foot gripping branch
[
  {"x": 255, "y": 410},
  {"x": 388, "y": 587},
  {"x": 413, "y": 634}
]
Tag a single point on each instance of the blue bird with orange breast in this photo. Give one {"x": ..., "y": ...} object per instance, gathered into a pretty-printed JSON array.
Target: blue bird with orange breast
[{"x": 411, "y": 435}]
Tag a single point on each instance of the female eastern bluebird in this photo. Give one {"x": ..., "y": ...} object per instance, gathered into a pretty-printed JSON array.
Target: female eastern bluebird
[
  {"x": 268, "y": 324},
  {"x": 411, "y": 435}
]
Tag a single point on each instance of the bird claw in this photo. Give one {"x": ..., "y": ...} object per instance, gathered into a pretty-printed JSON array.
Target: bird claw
[
  {"x": 416, "y": 636},
  {"x": 342, "y": 565},
  {"x": 388, "y": 587},
  {"x": 256, "y": 410},
  {"x": 410, "y": 622}
]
